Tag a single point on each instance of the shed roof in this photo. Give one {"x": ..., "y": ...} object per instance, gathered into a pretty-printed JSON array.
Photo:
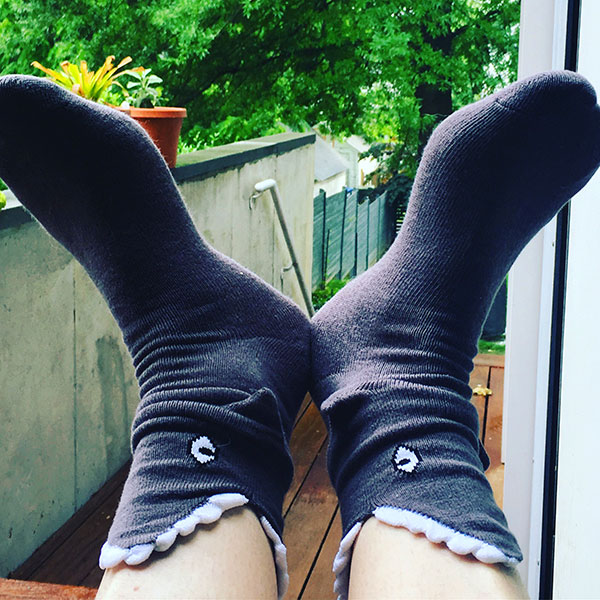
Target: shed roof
[{"x": 328, "y": 162}]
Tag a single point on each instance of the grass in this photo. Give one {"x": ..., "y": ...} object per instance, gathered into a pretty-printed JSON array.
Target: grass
[{"x": 497, "y": 346}]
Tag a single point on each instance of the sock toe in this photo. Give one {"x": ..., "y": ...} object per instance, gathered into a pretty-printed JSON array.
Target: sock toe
[
  {"x": 15, "y": 92},
  {"x": 553, "y": 92},
  {"x": 27, "y": 102}
]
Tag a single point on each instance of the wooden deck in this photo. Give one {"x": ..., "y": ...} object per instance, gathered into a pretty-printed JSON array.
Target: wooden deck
[{"x": 312, "y": 525}]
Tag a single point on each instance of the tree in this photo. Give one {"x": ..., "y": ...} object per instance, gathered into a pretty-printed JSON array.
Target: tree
[
  {"x": 388, "y": 70},
  {"x": 432, "y": 58}
]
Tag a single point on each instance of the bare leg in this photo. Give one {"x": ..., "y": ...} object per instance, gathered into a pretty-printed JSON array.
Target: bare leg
[
  {"x": 392, "y": 562},
  {"x": 231, "y": 558}
]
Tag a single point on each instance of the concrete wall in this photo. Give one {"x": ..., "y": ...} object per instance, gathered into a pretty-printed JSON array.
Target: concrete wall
[{"x": 67, "y": 388}]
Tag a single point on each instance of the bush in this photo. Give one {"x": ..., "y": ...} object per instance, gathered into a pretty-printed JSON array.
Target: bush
[
  {"x": 497, "y": 346},
  {"x": 327, "y": 290}
]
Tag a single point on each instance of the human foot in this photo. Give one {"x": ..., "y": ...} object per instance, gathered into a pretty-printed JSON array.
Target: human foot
[
  {"x": 220, "y": 356},
  {"x": 392, "y": 351}
]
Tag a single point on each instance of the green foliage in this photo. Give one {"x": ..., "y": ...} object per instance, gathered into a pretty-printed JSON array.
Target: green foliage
[
  {"x": 432, "y": 58},
  {"x": 492, "y": 346},
  {"x": 398, "y": 189},
  {"x": 2, "y": 200},
  {"x": 385, "y": 69},
  {"x": 327, "y": 290},
  {"x": 142, "y": 91}
]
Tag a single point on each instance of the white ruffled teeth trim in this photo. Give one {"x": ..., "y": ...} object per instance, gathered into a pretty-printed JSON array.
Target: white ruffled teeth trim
[
  {"x": 341, "y": 562},
  {"x": 211, "y": 511},
  {"x": 280, "y": 554},
  {"x": 416, "y": 523}
]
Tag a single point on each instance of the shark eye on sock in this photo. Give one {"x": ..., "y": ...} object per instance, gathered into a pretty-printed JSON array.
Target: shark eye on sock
[
  {"x": 203, "y": 450},
  {"x": 405, "y": 459}
]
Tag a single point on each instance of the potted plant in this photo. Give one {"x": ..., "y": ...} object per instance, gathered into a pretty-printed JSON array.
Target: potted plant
[{"x": 162, "y": 123}]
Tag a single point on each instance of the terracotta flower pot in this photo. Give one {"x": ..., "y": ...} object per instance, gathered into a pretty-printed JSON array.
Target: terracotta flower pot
[{"x": 163, "y": 125}]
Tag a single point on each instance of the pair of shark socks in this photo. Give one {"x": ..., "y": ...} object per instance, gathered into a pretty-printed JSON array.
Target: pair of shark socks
[{"x": 223, "y": 360}]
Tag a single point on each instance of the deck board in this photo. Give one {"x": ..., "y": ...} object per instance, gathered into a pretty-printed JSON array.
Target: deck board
[
  {"x": 307, "y": 440},
  {"x": 493, "y": 438},
  {"x": 51, "y": 561},
  {"x": 320, "y": 582},
  {"x": 33, "y": 590},
  {"x": 307, "y": 523},
  {"x": 312, "y": 530},
  {"x": 77, "y": 562}
]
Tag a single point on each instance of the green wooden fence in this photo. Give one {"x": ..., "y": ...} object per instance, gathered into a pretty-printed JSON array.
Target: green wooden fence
[{"x": 352, "y": 230}]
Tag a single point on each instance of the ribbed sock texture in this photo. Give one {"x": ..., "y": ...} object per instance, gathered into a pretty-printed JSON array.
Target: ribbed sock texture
[
  {"x": 392, "y": 351},
  {"x": 220, "y": 356}
]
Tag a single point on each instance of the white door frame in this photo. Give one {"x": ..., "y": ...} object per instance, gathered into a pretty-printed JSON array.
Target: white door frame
[
  {"x": 576, "y": 517},
  {"x": 531, "y": 281}
]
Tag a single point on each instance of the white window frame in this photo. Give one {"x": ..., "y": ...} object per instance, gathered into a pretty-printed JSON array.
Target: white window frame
[{"x": 530, "y": 288}]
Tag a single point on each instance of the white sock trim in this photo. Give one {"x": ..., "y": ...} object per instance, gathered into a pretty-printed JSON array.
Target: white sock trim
[
  {"x": 341, "y": 562},
  {"x": 459, "y": 543},
  {"x": 211, "y": 511},
  {"x": 280, "y": 553}
]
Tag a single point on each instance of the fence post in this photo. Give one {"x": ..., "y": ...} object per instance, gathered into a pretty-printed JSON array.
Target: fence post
[
  {"x": 355, "y": 269},
  {"x": 325, "y": 242},
  {"x": 382, "y": 238},
  {"x": 317, "y": 265},
  {"x": 340, "y": 275}
]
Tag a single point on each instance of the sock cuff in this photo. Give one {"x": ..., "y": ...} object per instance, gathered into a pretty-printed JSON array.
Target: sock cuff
[
  {"x": 209, "y": 512},
  {"x": 434, "y": 531}
]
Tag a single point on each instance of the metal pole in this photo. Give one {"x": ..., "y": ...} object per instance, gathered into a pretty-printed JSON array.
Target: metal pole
[{"x": 271, "y": 184}]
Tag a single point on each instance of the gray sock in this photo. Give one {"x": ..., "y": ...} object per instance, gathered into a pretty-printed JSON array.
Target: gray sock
[
  {"x": 392, "y": 352},
  {"x": 220, "y": 356}
]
